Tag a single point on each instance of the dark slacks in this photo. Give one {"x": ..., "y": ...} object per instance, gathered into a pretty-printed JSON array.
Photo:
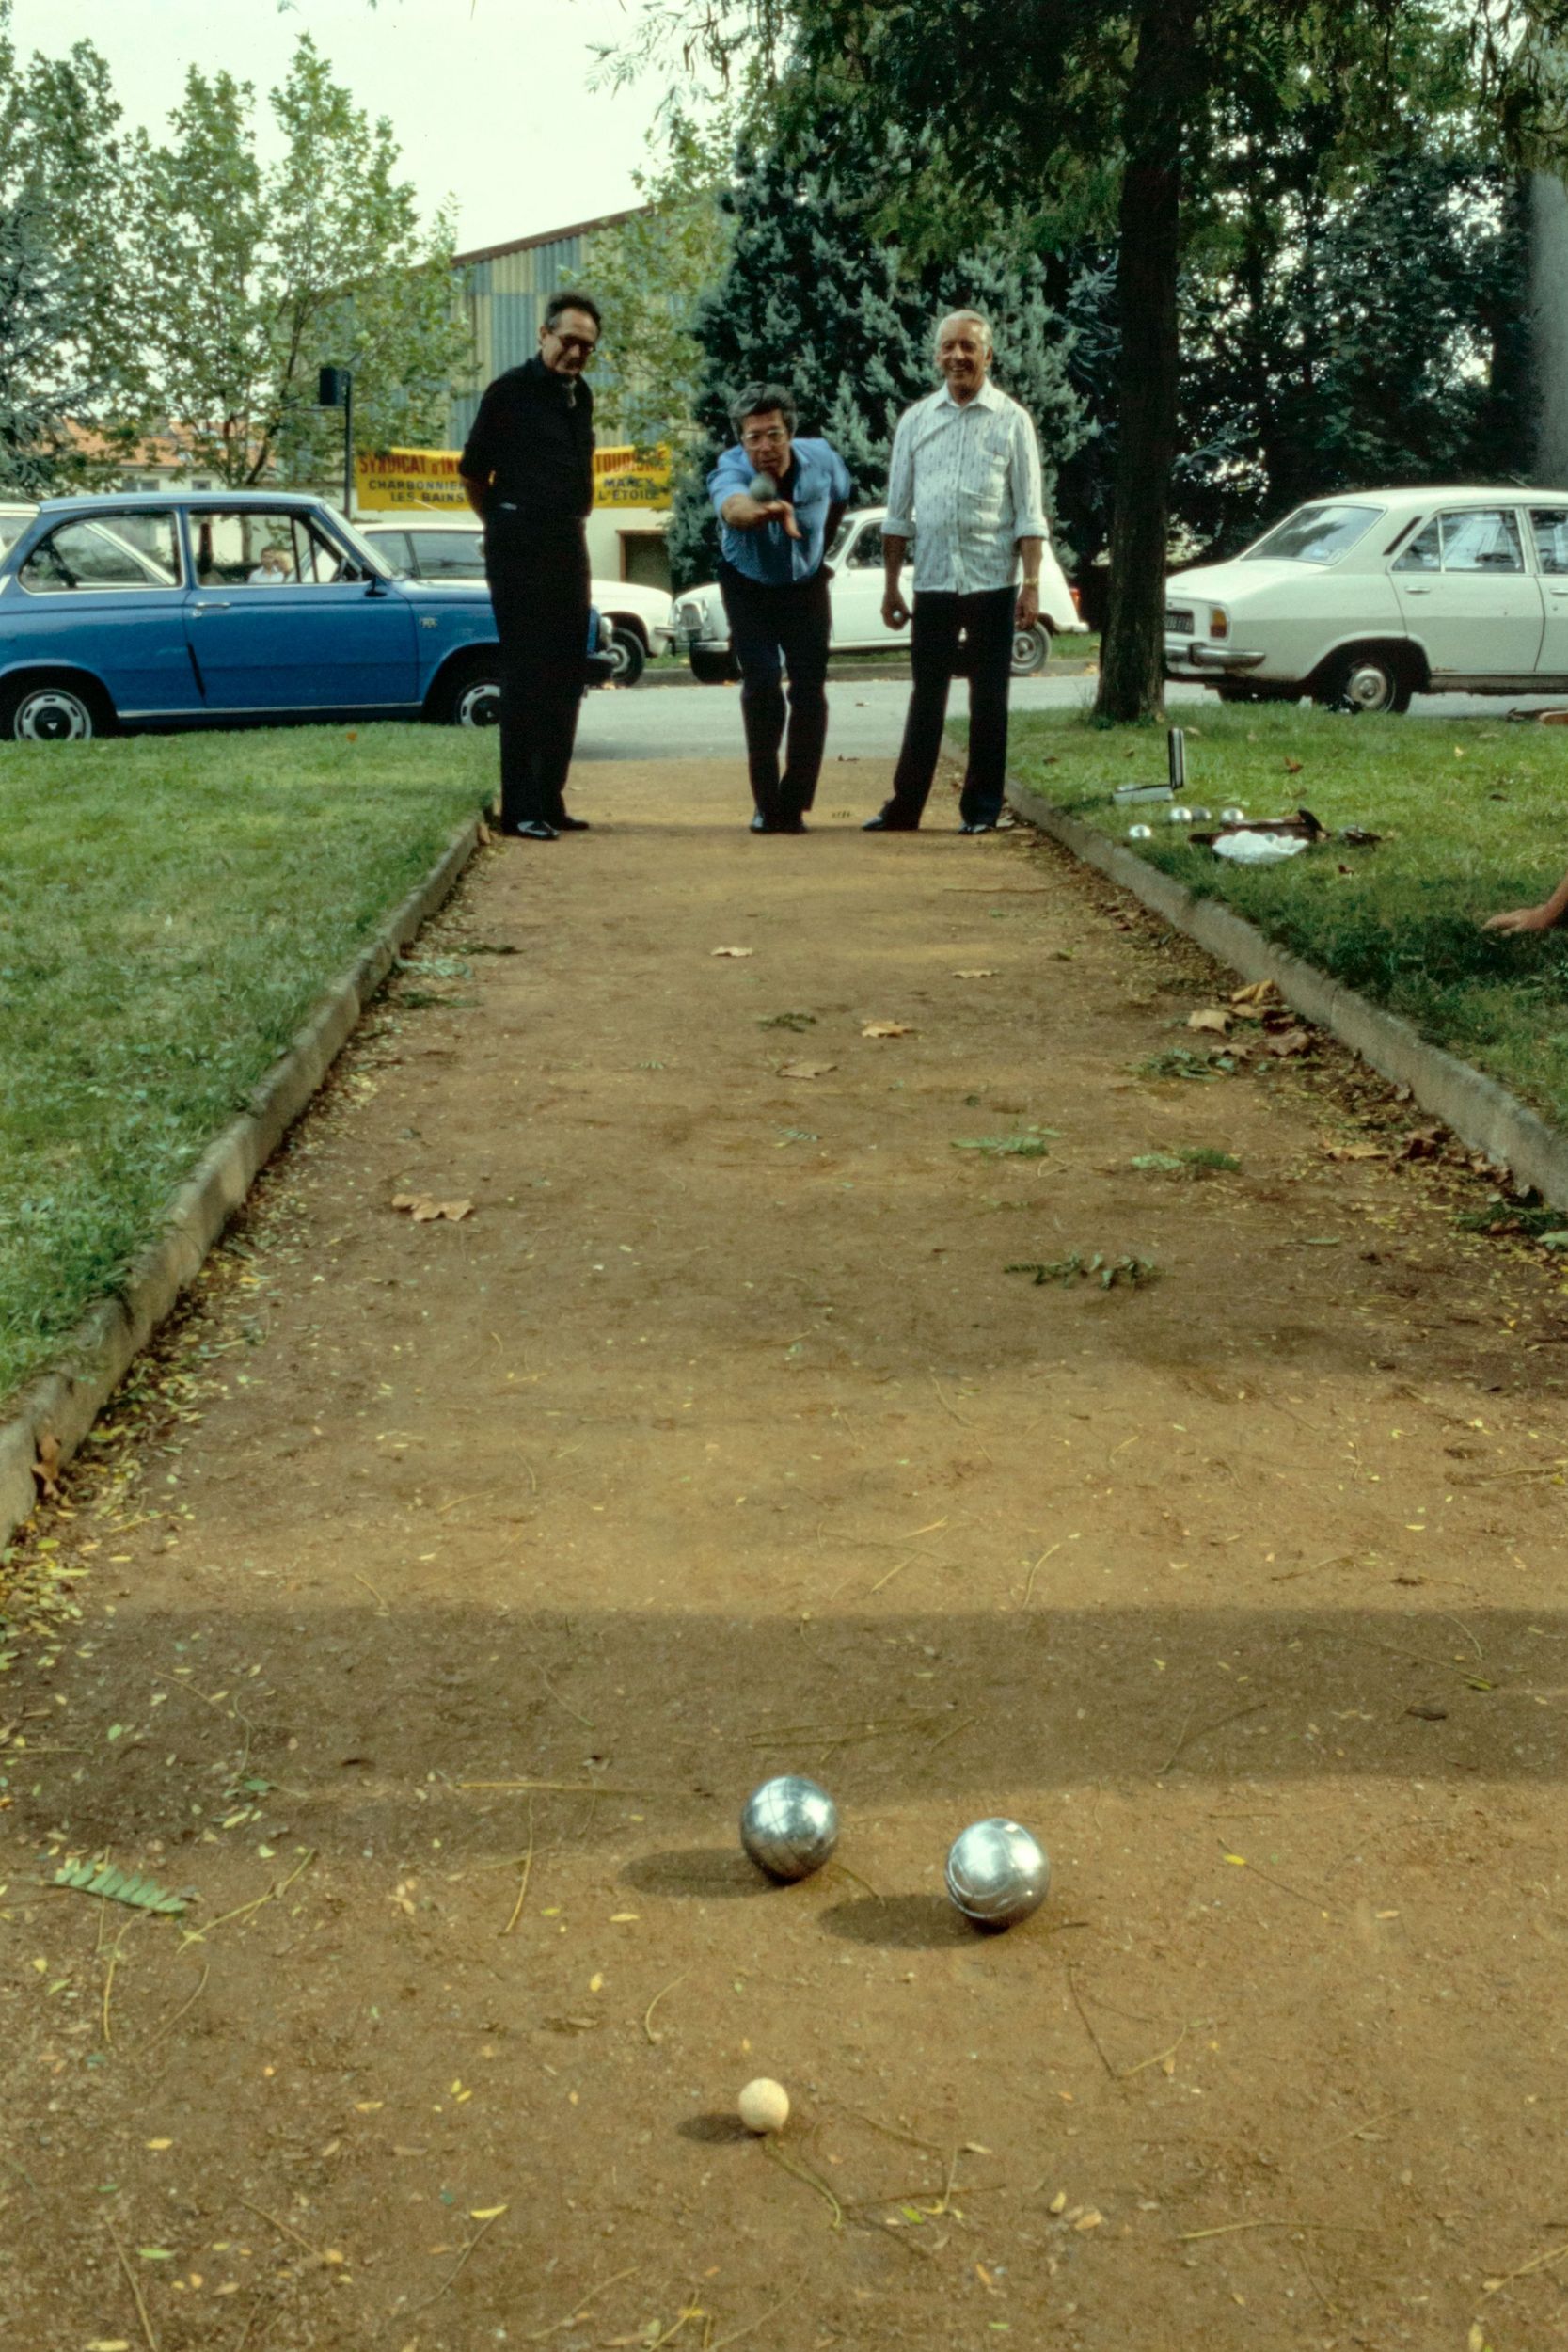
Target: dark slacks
[
  {"x": 985, "y": 621},
  {"x": 777, "y": 630},
  {"x": 539, "y": 588}
]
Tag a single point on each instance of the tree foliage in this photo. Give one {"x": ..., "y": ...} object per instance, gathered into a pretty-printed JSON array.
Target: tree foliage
[
  {"x": 815, "y": 295},
  {"x": 252, "y": 275},
  {"x": 649, "y": 273},
  {"x": 1117, "y": 117}
]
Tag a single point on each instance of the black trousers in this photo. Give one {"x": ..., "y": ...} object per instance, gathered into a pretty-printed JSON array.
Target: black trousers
[
  {"x": 985, "y": 620},
  {"x": 539, "y": 588},
  {"x": 774, "y": 630}
]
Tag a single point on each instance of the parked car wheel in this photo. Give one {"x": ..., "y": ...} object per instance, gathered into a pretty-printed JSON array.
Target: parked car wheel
[
  {"x": 1368, "y": 678},
  {"x": 713, "y": 669},
  {"x": 627, "y": 652},
  {"x": 472, "y": 697},
  {"x": 1031, "y": 650},
  {"x": 53, "y": 711}
]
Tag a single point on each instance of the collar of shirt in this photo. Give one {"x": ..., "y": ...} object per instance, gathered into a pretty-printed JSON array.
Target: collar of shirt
[{"x": 986, "y": 397}]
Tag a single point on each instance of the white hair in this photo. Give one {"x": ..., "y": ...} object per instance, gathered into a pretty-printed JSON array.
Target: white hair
[{"x": 971, "y": 318}]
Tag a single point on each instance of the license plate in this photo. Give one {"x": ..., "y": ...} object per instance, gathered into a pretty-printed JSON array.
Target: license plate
[{"x": 1178, "y": 622}]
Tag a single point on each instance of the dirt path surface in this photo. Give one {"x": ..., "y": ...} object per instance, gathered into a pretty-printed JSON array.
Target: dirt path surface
[{"x": 434, "y": 1600}]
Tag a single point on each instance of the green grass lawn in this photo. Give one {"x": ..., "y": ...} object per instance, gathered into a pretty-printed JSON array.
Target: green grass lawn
[
  {"x": 1475, "y": 816},
  {"x": 171, "y": 909}
]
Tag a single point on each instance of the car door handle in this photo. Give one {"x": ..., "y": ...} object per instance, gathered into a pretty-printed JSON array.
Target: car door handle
[
  {"x": 1561, "y": 591},
  {"x": 218, "y": 604},
  {"x": 1419, "y": 592}
]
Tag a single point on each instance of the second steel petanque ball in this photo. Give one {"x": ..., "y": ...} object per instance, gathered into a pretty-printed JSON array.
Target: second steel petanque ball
[{"x": 997, "y": 1873}]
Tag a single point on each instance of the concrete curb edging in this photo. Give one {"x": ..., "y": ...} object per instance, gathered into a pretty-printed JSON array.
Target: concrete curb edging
[
  {"x": 64, "y": 1403},
  {"x": 1481, "y": 1112}
]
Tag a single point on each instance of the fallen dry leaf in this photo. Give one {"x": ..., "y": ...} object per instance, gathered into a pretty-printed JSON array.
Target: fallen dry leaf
[
  {"x": 1287, "y": 1041},
  {"x": 888, "y": 1029},
  {"x": 423, "y": 1206},
  {"x": 46, "y": 1469},
  {"x": 983, "y": 972},
  {"x": 1210, "y": 1017},
  {"x": 1256, "y": 993},
  {"x": 1292, "y": 767},
  {"x": 1356, "y": 1152},
  {"x": 484, "y": 837},
  {"x": 807, "y": 1068},
  {"x": 734, "y": 951}
]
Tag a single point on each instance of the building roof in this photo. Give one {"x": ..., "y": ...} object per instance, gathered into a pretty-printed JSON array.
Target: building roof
[{"x": 550, "y": 236}]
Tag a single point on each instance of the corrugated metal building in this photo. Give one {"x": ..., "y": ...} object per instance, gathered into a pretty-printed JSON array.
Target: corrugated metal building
[{"x": 505, "y": 287}]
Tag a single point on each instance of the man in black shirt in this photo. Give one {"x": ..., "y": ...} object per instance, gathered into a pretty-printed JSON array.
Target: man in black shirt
[{"x": 528, "y": 470}]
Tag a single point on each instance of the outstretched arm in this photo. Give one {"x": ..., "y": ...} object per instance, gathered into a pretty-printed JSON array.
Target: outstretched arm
[{"x": 1542, "y": 919}]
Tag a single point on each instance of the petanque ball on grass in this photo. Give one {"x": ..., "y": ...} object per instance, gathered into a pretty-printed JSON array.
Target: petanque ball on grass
[
  {"x": 997, "y": 1873},
  {"x": 1233, "y": 816},
  {"x": 1140, "y": 832},
  {"x": 763, "y": 486},
  {"x": 789, "y": 1827}
]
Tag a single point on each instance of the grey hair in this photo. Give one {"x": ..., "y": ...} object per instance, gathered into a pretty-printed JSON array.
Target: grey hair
[
  {"x": 973, "y": 318},
  {"x": 755, "y": 400}
]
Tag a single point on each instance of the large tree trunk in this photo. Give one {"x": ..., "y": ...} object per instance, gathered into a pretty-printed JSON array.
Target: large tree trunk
[{"x": 1132, "y": 662}]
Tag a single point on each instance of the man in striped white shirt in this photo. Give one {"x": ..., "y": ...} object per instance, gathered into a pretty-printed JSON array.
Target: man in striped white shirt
[{"x": 964, "y": 483}]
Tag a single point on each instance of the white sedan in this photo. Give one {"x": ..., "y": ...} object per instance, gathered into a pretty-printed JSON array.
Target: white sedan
[
  {"x": 855, "y": 560},
  {"x": 1363, "y": 599},
  {"x": 451, "y": 546}
]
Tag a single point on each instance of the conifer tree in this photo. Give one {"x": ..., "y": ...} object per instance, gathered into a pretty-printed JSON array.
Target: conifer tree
[{"x": 816, "y": 296}]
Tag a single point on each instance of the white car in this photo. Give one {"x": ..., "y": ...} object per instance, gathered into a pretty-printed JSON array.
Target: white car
[
  {"x": 451, "y": 547},
  {"x": 855, "y": 560},
  {"x": 1369, "y": 597}
]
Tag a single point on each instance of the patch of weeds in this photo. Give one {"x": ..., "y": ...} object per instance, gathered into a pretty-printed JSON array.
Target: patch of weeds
[
  {"x": 787, "y": 1021},
  {"x": 1534, "y": 1222},
  {"x": 434, "y": 967},
  {"x": 421, "y": 999},
  {"x": 1108, "y": 1272},
  {"x": 1188, "y": 1160},
  {"x": 1030, "y": 1145},
  {"x": 1179, "y": 1061}
]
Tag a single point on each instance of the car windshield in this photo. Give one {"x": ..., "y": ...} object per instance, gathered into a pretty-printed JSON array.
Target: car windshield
[
  {"x": 365, "y": 549},
  {"x": 1314, "y": 534}
]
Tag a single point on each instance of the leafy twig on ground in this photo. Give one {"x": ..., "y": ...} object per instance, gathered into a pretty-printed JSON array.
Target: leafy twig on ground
[{"x": 1133, "y": 1271}]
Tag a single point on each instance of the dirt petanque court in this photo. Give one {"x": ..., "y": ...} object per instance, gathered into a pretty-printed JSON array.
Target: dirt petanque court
[{"x": 885, "y": 1341}]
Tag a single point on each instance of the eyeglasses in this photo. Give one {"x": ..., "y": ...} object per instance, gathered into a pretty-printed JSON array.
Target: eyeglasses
[
  {"x": 584, "y": 343},
  {"x": 769, "y": 433}
]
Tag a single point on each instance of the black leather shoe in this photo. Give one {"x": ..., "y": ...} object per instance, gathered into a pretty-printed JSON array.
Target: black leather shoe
[
  {"x": 885, "y": 823},
  {"x": 571, "y": 824},
  {"x": 759, "y": 824},
  {"x": 534, "y": 829},
  {"x": 791, "y": 824},
  {"x": 987, "y": 824}
]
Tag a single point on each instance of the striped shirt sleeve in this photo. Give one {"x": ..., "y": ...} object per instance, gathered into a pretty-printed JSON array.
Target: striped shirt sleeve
[
  {"x": 1028, "y": 490},
  {"x": 898, "y": 522}
]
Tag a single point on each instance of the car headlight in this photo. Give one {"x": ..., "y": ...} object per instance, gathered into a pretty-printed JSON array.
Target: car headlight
[{"x": 1219, "y": 621}]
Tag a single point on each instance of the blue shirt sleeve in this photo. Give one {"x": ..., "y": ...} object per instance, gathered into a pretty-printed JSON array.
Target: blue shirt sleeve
[{"x": 732, "y": 473}]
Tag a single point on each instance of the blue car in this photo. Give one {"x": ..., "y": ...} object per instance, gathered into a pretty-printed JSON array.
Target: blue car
[{"x": 230, "y": 609}]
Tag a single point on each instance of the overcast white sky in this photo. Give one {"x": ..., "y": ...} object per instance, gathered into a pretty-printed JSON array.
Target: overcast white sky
[{"x": 489, "y": 98}]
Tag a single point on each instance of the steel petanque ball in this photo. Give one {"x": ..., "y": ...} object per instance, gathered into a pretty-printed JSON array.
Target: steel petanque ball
[
  {"x": 1179, "y": 816},
  {"x": 1140, "y": 832},
  {"x": 762, "y": 485},
  {"x": 997, "y": 1873},
  {"x": 789, "y": 1827},
  {"x": 1233, "y": 816}
]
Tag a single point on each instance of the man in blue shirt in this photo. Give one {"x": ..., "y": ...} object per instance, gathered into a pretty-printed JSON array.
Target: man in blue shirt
[{"x": 775, "y": 593}]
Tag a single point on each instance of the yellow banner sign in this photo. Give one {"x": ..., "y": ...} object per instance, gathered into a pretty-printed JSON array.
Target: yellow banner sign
[
  {"x": 392, "y": 480},
  {"x": 631, "y": 477}
]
